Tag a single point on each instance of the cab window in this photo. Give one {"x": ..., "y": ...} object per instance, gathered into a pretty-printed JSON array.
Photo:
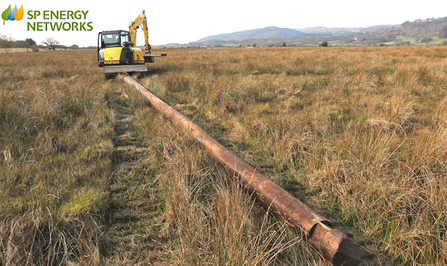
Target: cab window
[
  {"x": 124, "y": 38},
  {"x": 111, "y": 40}
]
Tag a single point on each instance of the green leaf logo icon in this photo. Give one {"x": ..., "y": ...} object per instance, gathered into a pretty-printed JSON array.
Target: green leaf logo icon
[{"x": 5, "y": 14}]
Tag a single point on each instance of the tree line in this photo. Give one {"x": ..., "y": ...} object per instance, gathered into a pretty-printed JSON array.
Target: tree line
[{"x": 8, "y": 41}]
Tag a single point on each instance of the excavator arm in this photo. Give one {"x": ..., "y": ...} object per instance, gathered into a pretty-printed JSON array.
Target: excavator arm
[{"x": 134, "y": 25}]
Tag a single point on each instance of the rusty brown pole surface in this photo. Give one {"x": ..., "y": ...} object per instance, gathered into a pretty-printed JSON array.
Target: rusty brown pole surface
[{"x": 334, "y": 245}]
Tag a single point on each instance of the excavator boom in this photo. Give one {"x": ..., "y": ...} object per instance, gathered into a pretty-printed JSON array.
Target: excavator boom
[{"x": 134, "y": 25}]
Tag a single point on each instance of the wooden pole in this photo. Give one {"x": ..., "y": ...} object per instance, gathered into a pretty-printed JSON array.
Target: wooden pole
[{"x": 334, "y": 245}]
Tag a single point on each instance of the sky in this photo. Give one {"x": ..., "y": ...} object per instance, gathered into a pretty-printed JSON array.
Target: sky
[{"x": 175, "y": 21}]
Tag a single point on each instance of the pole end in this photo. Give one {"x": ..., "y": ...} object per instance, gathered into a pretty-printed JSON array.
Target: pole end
[
  {"x": 348, "y": 253},
  {"x": 335, "y": 246}
]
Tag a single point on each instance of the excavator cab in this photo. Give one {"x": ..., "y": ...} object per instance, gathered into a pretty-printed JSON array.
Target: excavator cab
[
  {"x": 110, "y": 43},
  {"x": 117, "y": 54},
  {"x": 114, "y": 38}
]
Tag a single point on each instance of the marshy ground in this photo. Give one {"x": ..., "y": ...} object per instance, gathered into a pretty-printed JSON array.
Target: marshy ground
[{"x": 91, "y": 174}]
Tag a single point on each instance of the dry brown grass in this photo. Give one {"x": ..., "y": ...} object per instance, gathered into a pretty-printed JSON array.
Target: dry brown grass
[
  {"x": 357, "y": 133},
  {"x": 363, "y": 129},
  {"x": 55, "y": 149}
]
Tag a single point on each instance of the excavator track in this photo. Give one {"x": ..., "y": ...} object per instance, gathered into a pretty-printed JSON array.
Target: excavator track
[{"x": 112, "y": 71}]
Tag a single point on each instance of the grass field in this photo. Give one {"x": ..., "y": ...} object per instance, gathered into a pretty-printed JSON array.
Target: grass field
[{"x": 91, "y": 175}]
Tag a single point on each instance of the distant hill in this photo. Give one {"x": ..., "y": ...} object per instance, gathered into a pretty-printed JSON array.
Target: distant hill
[
  {"x": 344, "y": 31},
  {"x": 264, "y": 33},
  {"x": 431, "y": 31}
]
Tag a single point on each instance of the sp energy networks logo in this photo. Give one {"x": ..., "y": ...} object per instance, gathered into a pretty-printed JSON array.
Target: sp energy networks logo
[
  {"x": 50, "y": 20},
  {"x": 12, "y": 14}
]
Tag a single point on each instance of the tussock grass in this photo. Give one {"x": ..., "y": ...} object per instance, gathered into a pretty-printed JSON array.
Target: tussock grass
[
  {"x": 209, "y": 217},
  {"x": 359, "y": 134},
  {"x": 55, "y": 146},
  {"x": 360, "y": 130}
]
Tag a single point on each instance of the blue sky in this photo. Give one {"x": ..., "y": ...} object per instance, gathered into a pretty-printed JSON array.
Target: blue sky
[{"x": 174, "y": 21}]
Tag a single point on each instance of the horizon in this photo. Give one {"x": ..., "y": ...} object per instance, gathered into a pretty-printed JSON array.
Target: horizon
[{"x": 184, "y": 22}]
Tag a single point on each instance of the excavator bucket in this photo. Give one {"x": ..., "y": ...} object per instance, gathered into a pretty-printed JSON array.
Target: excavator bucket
[
  {"x": 112, "y": 71},
  {"x": 150, "y": 58}
]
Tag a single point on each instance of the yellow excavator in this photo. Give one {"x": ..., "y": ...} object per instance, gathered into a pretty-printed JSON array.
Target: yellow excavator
[{"x": 117, "y": 51}]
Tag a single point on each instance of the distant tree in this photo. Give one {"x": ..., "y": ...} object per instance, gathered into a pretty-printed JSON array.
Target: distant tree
[
  {"x": 324, "y": 44},
  {"x": 443, "y": 33},
  {"x": 74, "y": 46},
  {"x": 30, "y": 42},
  {"x": 406, "y": 24},
  {"x": 284, "y": 44},
  {"x": 6, "y": 41},
  {"x": 51, "y": 43}
]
